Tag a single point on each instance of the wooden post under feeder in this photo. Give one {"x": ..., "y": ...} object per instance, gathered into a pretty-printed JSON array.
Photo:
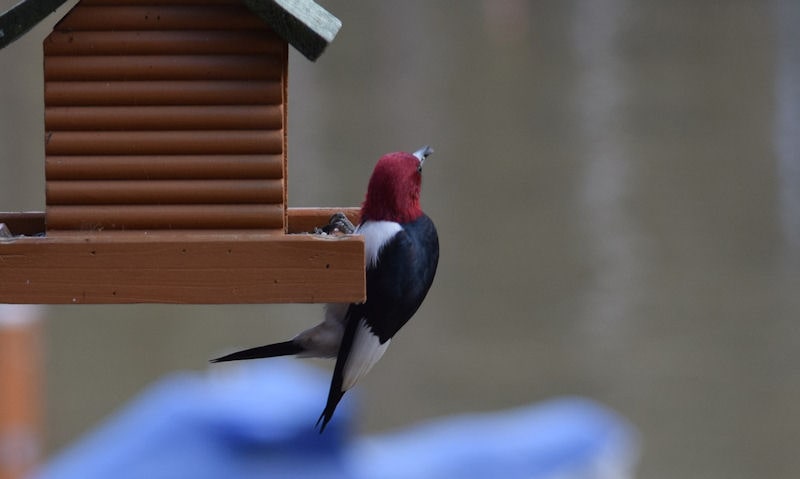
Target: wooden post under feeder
[
  {"x": 21, "y": 385},
  {"x": 165, "y": 161}
]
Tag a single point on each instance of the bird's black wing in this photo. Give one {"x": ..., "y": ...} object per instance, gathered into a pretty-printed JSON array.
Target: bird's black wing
[{"x": 400, "y": 281}]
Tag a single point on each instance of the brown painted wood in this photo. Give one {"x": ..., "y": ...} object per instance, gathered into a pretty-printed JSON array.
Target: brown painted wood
[
  {"x": 129, "y": 192},
  {"x": 165, "y": 115},
  {"x": 162, "y": 67},
  {"x": 268, "y": 142},
  {"x": 153, "y": 217},
  {"x": 304, "y": 220},
  {"x": 301, "y": 220},
  {"x": 181, "y": 42},
  {"x": 206, "y": 117},
  {"x": 27, "y": 223},
  {"x": 169, "y": 167},
  {"x": 21, "y": 385},
  {"x": 164, "y": 267},
  {"x": 197, "y": 92},
  {"x": 160, "y": 17}
]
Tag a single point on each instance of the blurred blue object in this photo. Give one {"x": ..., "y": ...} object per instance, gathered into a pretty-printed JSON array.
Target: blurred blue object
[
  {"x": 250, "y": 421},
  {"x": 562, "y": 438},
  {"x": 257, "y": 420}
]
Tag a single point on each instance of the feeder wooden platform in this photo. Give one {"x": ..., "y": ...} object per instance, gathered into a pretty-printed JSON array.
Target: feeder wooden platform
[{"x": 192, "y": 267}]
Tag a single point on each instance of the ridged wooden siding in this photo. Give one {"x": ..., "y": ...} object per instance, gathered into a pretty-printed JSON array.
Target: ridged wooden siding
[{"x": 165, "y": 114}]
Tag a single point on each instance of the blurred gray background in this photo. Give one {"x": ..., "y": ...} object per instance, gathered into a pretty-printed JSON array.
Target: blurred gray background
[{"x": 617, "y": 190}]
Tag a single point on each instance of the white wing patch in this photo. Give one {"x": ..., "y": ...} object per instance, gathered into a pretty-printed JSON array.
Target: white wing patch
[
  {"x": 376, "y": 235},
  {"x": 366, "y": 351}
]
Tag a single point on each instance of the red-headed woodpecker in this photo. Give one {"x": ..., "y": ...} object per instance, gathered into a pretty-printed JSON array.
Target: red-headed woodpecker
[{"x": 402, "y": 251}]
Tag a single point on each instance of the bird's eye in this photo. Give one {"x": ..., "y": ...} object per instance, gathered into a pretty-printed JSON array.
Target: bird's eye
[{"x": 419, "y": 169}]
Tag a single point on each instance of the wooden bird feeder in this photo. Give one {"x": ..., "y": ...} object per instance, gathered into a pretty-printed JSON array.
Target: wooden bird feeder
[{"x": 165, "y": 159}]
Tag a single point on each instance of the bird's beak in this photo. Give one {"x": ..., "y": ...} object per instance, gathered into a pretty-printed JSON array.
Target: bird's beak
[{"x": 423, "y": 153}]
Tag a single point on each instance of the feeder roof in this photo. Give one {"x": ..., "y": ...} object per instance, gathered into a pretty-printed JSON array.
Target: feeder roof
[{"x": 305, "y": 25}]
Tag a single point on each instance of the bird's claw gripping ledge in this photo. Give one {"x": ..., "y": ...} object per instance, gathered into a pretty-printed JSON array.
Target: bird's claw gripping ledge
[{"x": 338, "y": 222}]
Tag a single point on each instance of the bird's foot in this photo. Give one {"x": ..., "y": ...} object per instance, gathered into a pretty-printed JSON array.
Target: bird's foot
[{"x": 338, "y": 222}]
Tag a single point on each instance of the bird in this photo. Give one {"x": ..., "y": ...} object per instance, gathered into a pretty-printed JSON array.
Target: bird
[{"x": 401, "y": 248}]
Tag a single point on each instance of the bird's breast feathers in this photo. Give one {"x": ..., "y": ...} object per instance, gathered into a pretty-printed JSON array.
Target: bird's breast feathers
[{"x": 376, "y": 235}]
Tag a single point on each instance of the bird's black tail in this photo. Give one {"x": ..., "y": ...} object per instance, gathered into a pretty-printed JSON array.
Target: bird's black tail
[
  {"x": 337, "y": 390},
  {"x": 270, "y": 350},
  {"x": 327, "y": 414}
]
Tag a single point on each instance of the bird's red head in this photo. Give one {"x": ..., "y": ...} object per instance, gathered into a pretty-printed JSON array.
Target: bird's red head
[{"x": 393, "y": 191}]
